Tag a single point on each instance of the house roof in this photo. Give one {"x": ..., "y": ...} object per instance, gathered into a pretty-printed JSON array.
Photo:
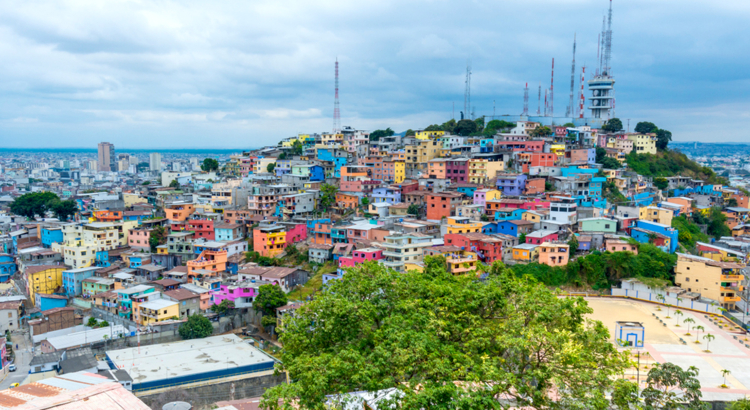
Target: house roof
[
  {"x": 30, "y": 270},
  {"x": 181, "y": 294},
  {"x": 166, "y": 282}
]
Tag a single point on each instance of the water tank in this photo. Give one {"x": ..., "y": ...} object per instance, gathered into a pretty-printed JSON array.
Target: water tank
[{"x": 177, "y": 405}]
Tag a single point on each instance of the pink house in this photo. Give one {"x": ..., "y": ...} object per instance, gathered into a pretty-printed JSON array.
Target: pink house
[
  {"x": 241, "y": 293},
  {"x": 535, "y": 204},
  {"x": 296, "y": 233},
  {"x": 360, "y": 256},
  {"x": 3, "y": 352},
  {"x": 541, "y": 236},
  {"x": 138, "y": 239}
]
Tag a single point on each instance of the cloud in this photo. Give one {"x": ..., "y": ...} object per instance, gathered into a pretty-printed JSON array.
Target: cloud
[{"x": 238, "y": 74}]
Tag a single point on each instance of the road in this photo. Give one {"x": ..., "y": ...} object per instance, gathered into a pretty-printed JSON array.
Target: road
[{"x": 23, "y": 358}]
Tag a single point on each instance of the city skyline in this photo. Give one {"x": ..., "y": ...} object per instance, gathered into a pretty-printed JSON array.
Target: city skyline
[{"x": 169, "y": 75}]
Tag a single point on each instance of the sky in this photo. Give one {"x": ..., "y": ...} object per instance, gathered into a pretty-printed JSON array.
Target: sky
[{"x": 243, "y": 74}]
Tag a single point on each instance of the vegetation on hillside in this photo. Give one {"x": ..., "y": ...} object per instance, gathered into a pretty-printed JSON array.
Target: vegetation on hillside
[
  {"x": 422, "y": 332},
  {"x": 671, "y": 163},
  {"x": 716, "y": 221},
  {"x": 39, "y": 204},
  {"x": 690, "y": 232},
  {"x": 601, "y": 270}
]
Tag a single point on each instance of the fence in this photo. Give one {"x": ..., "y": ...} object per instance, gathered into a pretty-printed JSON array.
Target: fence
[
  {"x": 113, "y": 318},
  {"x": 668, "y": 300}
]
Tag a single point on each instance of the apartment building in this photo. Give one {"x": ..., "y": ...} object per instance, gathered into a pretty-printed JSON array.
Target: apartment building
[
  {"x": 717, "y": 281},
  {"x": 402, "y": 248}
]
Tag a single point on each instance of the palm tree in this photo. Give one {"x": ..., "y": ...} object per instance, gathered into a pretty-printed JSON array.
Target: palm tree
[
  {"x": 668, "y": 306},
  {"x": 724, "y": 373},
  {"x": 699, "y": 329},
  {"x": 661, "y": 298},
  {"x": 677, "y": 312},
  {"x": 688, "y": 321},
  {"x": 708, "y": 337}
]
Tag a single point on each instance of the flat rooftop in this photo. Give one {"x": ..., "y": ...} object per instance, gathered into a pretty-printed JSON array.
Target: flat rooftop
[{"x": 156, "y": 363}]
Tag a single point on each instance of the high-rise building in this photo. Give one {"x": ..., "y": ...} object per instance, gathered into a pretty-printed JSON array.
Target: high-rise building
[
  {"x": 106, "y": 158},
  {"x": 155, "y": 162}
]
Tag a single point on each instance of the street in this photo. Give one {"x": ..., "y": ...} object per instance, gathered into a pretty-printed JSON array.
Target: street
[{"x": 23, "y": 357}]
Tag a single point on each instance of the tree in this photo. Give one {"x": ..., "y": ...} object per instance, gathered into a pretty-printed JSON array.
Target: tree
[
  {"x": 708, "y": 337},
  {"x": 365, "y": 202},
  {"x": 174, "y": 184},
  {"x": 522, "y": 238},
  {"x": 698, "y": 329},
  {"x": 645, "y": 127},
  {"x": 541, "y": 131},
  {"x": 742, "y": 404},
  {"x": 663, "y": 137},
  {"x": 433, "y": 127},
  {"x": 449, "y": 126},
  {"x": 378, "y": 134},
  {"x": 668, "y": 386},
  {"x": 413, "y": 209},
  {"x": 210, "y": 164},
  {"x": 573, "y": 244},
  {"x": 63, "y": 210},
  {"x": 196, "y": 327},
  {"x": 661, "y": 298},
  {"x": 34, "y": 203},
  {"x": 688, "y": 321},
  {"x": 327, "y": 196},
  {"x": 223, "y": 307},
  {"x": 610, "y": 163},
  {"x": 270, "y": 167},
  {"x": 142, "y": 166},
  {"x": 269, "y": 298},
  {"x": 410, "y": 133},
  {"x": 91, "y": 322},
  {"x": 480, "y": 125},
  {"x": 146, "y": 183},
  {"x": 282, "y": 155},
  {"x": 601, "y": 153},
  {"x": 677, "y": 312},
  {"x": 612, "y": 125},
  {"x": 732, "y": 202},
  {"x": 296, "y": 148},
  {"x": 157, "y": 237},
  {"x": 103, "y": 323},
  {"x": 491, "y": 338},
  {"x": 724, "y": 373},
  {"x": 661, "y": 183},
  {"x": 465, "y": 128}
]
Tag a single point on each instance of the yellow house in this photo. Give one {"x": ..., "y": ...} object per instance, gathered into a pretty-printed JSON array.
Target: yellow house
[
  {"x": 332, "y": 139},
  {"x": 643, "y": 143},
  {"x": 655, "y": 214},
  {"x": 417, "y": 266},
  {"x": 158, "y": 310},
  {"x": 461, "y": 262},
  {"x": 533, "y": 216},
  {"x": 426, "y": 135},
  {"x": 719, "y": 281},
  {"x": 43, "y": 279},
  {"x": 525, "y": 252},
  {"x": 132, "y": 199},
  {"x": 462, "y": 224},
  {"x": 399, "y": 168},
  {"x": 417, "y": 156}
]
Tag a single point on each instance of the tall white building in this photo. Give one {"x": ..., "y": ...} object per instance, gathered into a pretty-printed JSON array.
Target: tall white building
[{"x": 154, "y": 163}]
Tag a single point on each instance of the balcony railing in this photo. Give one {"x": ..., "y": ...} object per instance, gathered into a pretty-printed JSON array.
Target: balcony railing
[
  {"x": 730, "y": 299},
  {"x": 732, "y": 278}
]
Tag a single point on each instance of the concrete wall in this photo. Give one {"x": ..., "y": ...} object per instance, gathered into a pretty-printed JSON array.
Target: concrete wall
[{"x": 203, "y": 397}]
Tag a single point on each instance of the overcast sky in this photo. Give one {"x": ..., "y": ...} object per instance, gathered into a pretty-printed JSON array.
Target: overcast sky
[{"x": 236, "y": 74}]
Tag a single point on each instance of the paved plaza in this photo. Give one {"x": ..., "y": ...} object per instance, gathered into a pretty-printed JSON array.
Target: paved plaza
[{"x": 728, "y": 351}]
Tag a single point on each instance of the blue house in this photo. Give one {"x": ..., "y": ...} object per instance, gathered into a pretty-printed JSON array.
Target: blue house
[
  {"x": 317, "y": 173},
  {"x": 73, "y": 279},
  {"x": 137, "y": 259},
  {"x": 514, "y": 228},
  {"x": 572, "y": 171},
  {"x": 509, "y": 214},
  {"x": 51, "y": 235},
  {"x": 334, "y": 155},
  {"x": 489, "y": 228},
  {"x": 486, "y": 145},
  {"x": 642, "y": 199},
  {"x": 467, "y": 190},
  {"x": 663, "y": 236},
  {"x": 595, "y": 187},
  {"x": 47, "y": 302},
  {"x": 512, "y": 184},
  {"x": 7, "y": 267}
]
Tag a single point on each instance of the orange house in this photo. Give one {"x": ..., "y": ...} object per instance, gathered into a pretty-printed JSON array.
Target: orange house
[
  {"x": 322, "y": 234},
  {"x": 436, "y": 168},
  {"x": 442, "y": 204},
  {"x": 210, "y": 262},
  {"x": 742, "y": 200},
  {"x": 108, "y": 216},
  {"x": 344, "y": 200},
  {"x": 534, "y": 186},
  {"x": 179, "y": 211},
  {"x": 554, "y": 254},
  {"x": 686, "y": 204},
  {"x": 269, "y": 240}
]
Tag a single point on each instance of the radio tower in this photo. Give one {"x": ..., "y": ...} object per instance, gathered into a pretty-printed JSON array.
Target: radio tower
[
  {"x": 539, "y": 106},
  {"x": 582, "y": 98},
  {"x": 546, "y": 106},
  {"x": 608, "y": 43},
  {"x": 526, "y": 100},
  {"x": 467, "y": 92},
  {"x": 336, "y": 112},
  {"x": 552, "y": 91},
  {"x": 571, "y": 108}
]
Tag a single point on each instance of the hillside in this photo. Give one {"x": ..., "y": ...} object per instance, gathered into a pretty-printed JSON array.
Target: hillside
[{"x": 671, "y": 163}]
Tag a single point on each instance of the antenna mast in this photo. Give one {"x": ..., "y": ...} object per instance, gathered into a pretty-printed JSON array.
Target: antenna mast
[
  {"x": 539, "y": 97},
  {"x": 467, "y": 92},
  {"x": 583, "y": 79},
  {"x": 571, "y": 105},
  {"x": 552, "y": 91},
  {"x": 336, "y": 112},
  {"x": 608, "y": 43},
  {"x": 526, "y": 100},
  {"x": 546, "y": 106}
]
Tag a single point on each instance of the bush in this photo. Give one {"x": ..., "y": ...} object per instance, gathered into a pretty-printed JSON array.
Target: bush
[
  {"x": 92, "y": 322},
  {"x": 196, "y": 327}
]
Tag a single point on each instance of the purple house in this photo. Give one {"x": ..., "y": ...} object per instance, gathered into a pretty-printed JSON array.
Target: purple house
[
  {"x": 241, "y": 293},
  {"x": 457, "y": 170},
  {"x": 511, "y": 184},
  {"x": 386, "y": 194}
]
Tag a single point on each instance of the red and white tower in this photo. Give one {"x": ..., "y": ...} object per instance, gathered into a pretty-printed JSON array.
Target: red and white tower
[{"x": 336, "y": 112}]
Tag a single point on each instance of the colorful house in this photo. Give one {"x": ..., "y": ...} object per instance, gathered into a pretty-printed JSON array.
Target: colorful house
[
  {"x": 663, "y": 236},
  {"x": 269, "y": 240},
  {"x": 45, "y": 279},
  {"x": 554, "y": 254}
]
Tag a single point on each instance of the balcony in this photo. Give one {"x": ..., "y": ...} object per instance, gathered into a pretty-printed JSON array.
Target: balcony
[
  {"x": 392, "y": 264},
  {"x": 732, "y": 278},
  {"x": 729, "y": 299}
]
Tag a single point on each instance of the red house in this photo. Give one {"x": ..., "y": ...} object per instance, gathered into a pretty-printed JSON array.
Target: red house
[
  {"x": 541, "y": 236},
  {"x": 204, "y": 228},
  {"x": 442, "y": 204},
  {"x": 295, "y": 232},
  {"x": 488, "y": 248},
  {"x": 360, "y": 256}
]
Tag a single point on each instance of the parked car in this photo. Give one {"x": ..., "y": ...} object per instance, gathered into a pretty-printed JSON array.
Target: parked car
[
  {"x": 12, "y": 367},
  {"x": 13, "y": 385}
]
